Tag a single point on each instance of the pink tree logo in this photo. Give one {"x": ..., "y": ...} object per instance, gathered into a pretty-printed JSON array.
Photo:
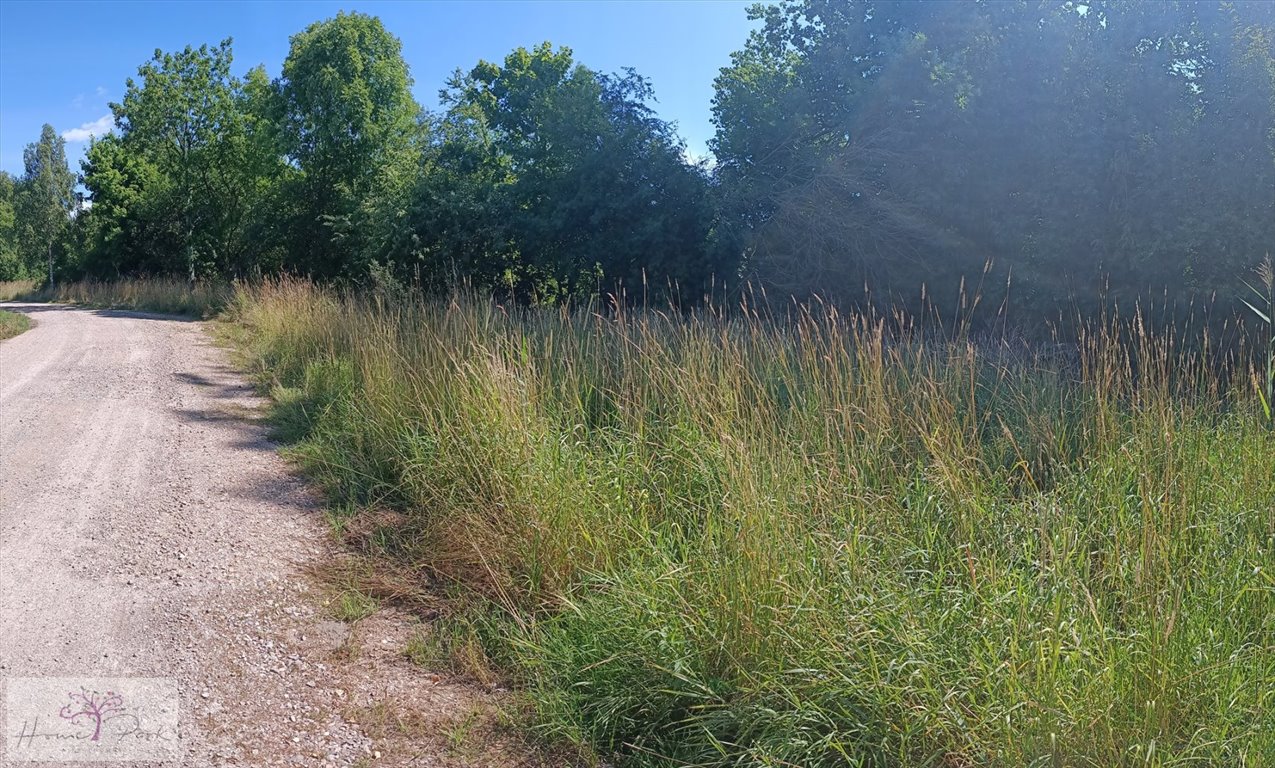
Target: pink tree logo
[{"x": 92, "y": 707}]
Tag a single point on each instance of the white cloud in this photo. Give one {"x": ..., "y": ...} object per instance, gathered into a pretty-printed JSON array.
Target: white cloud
[
  {"x": 101, "y": 90},
  {"x": 85, "y": 132}
]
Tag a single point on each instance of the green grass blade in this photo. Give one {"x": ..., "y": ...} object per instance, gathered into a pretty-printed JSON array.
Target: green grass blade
[{"x": 1257, "y": 311}]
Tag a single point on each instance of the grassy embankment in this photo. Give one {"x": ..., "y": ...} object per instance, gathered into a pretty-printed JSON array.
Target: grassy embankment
[
  {"x": 707, "y": 541},
  {"x": 12, "y": 323},
  {"x": 741, "y": 542}
]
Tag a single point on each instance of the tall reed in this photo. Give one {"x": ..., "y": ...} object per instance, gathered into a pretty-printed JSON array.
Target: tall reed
[
  {"x": 1264, "y": 381},
  {"x": 809, "y": 539}
]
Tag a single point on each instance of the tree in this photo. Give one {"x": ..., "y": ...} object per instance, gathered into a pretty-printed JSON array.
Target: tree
[
  {"x": 895, "y": 144},
  {"x": 131, "y": 229},
  {"x": 349, "y": 123},
  {"x": 47, "y": 196},
  {"x": 447, "y": 227},
  {"x": 11, "y": 266},
  {"x": 591, "y": 187},
  {"x": 193, "y": 172}
]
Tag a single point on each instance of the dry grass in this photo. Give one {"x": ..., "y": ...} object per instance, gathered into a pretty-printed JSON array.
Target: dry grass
[
  {"x": 813, "y": 540},
  {"x": 12, "y": 290},
  {"x": 177, "y": 297}
]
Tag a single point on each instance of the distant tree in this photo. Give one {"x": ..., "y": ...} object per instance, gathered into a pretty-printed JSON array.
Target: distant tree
[
  {"x": 131, "y": 229},
  {"x": 592, "y": 188},
  {"x": 447, "y": 227},
  {"x": 349, "y": 123},
  {"x": 11, "y": 266},
  {"x": 191, "y": 172},
  {"x": 805, "y": 134},
  {"x": 46, "y": 199},
  {"x": 266, "y": 175}
]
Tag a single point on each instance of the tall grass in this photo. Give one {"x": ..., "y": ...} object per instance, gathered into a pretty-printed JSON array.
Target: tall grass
[
  {"x": 812, "y": 540},
  {"x": 11, "y": 290},
  {"x": 12, "y": 323},
  {"x": 1264, "y": 380},
  {"x": 170, "y": 296}
]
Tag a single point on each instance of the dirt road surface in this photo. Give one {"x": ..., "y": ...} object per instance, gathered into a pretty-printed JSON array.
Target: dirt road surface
[{"x": 148, "y": 528}]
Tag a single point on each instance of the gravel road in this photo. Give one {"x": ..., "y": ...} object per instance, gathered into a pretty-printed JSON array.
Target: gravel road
[{"x": 148, "y": 528}]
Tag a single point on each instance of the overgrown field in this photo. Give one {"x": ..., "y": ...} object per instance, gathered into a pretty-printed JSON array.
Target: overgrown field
[
  {"x": 12, "y": 323},
  {"x": 819, "y": 541},
  {"x": 172, "y": 296}
]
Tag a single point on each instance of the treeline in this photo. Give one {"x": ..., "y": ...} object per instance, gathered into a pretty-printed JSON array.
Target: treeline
[{"x": 863, "y": 150}]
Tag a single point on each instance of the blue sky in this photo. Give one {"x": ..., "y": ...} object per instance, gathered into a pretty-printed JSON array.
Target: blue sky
[{"x": 62, "y": 62}]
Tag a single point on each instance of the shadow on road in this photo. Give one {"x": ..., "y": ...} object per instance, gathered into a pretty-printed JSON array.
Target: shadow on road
[{"x": 236, "y": 406}]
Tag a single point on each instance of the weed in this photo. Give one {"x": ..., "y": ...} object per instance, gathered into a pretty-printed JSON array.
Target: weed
[
  {"x": 13, "y": 323},
  {"x": 454, "y": 645},
  {"x": 352, "y": 606},
  {"x": 461, "y": 730},
  {"x": 14, "y": 290},
  {"x": 726, "y": 539}
]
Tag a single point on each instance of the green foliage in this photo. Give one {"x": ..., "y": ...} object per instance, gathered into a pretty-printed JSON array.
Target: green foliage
[
  {"x": 12, "y": 323},
  {"x": 44, "y": 201},
  {"x": 1126, "y": 149},
  {"x": 185, "y": 186},
  {"x": 551, "y": 179},
  {"x": 11, "y": 264},
  {"x": 818, "y": 540},
  {"x": 865, "y": 151},
  {"x": 126, "y": 227},
  {"x": 348, "y": 121},
  {"x": 449, "y": 228}
]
